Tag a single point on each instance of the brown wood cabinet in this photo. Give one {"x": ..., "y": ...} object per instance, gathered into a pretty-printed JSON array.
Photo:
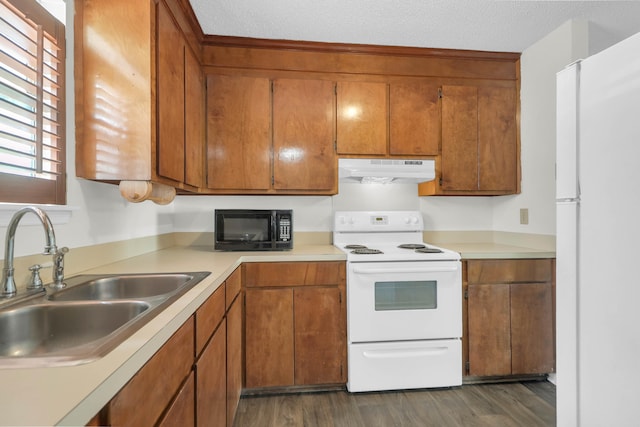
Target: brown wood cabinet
[
  {"x": 238, "y": 133},
  {"x": 270, "y": 136},
  {"x": 414, "y": 125},
  {"x": 362, "y": 118},
  {"x": 146, "y": 396},
  {"x": 380, "y": 119},
  {"x": 195, "y": 117},
  {"x": 295, "y": 324},
  {"x": 304, "y": 157},
  {"x": 181, "y": 412},
  {"x": 218, "y": 364},
  {"x": 210, "y": 364},
  {"x": 509, "y": 325},
  {"x": 211, "y": 380},
  {"x": 195, "y": 377},
  {"x": 234, "y": 356},
  {"x": 480, "y": 145},
  {"x": 139, "y": 93},
  {"x": 171, "y": 97}
]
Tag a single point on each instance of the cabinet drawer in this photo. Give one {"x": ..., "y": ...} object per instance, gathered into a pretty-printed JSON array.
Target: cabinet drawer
[
  {"x": 509, "y": 271},
  {"x": 208, "y": 317},
  {"x": 270, "y": 274},
  {"x": 233, "y": 285},
  {"x": 145, "y": 397}
]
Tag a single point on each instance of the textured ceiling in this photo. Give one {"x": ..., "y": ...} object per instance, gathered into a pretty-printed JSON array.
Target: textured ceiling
[{"x": 507, "y": 26}]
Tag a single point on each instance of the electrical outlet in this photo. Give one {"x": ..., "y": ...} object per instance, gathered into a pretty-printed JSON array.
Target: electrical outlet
[{"x": 524, "y": 216}]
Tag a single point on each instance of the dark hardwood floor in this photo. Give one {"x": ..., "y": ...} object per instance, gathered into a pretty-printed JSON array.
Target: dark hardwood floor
[{"x": 525, "y": 404}]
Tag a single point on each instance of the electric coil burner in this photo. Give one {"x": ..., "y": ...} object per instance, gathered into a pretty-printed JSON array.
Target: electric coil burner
[{"x": 404, "y": 303}]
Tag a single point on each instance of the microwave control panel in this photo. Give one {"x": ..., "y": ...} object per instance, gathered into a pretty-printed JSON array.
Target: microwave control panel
[{"x": 284, "y": 234}]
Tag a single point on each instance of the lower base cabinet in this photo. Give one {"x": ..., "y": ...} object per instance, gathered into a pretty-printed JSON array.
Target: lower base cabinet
[
  {"x": 195, "y": 378},
  {"x": 211, "y": 381},
  {"x": 146, "y": 397},
  {"x": 510, "y": 317},
  {"x": 295, "y": 320},
  {"x": 181, "y": 412}
]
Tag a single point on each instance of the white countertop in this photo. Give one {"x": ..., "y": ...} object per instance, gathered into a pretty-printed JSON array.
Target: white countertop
[
  {"x": 498, "y": 251},
  {"x": 72, "y": 395}
]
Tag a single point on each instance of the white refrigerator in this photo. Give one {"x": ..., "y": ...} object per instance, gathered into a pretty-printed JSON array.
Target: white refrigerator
[{"x": 598, "y": 239}]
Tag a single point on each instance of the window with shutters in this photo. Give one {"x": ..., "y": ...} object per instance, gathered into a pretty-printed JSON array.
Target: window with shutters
[{"x": 32, "y": 104}]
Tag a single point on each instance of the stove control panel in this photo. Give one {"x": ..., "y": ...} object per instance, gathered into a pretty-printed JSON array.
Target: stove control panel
[
  {"x": 364, "y": 221},
  {"x": 379, "y": 219}
]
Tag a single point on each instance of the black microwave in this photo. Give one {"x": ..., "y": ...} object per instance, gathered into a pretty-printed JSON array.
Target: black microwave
[{"x": 253, "y": 230}]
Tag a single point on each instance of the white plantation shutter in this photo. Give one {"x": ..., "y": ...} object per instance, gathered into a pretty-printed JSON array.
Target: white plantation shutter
[{"x": 32, "y": 128}]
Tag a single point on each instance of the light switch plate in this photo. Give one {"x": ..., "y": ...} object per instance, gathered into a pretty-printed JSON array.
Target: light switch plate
[{"x": 524, "y": 216}]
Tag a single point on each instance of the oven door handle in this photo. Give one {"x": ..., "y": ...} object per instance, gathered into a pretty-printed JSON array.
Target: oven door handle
[
  {"x": 365, "y": 270},
  {"x": 404, "y": 353}
]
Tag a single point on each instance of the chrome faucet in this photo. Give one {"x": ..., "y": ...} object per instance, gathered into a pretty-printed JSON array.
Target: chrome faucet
[{"x": 8, "y": 283}]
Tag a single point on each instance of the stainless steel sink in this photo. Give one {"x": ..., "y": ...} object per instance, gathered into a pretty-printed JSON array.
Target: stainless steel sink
[
  {"x": 131, "y": 286},
  {"x": 54, "y": 329},
  {"x": 88, "y": 319}
]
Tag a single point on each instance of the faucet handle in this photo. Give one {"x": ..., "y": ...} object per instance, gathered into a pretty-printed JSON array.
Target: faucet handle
[
  {"x": 36, "y": 281},
  {"x": 58, "y": 268}
]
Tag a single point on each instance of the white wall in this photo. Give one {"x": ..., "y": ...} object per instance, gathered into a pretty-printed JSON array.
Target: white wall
[{"x": 539, "y": 65}]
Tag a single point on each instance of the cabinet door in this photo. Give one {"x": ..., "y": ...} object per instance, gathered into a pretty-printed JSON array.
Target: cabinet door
[
  {"x": 304, "y": 136},
  {"x": 362, "y": 117},
  {"x": 211, "y": 381},
  {"x": 149, "y": 392},
  {"x": 170, "y": 96},
  {"x": 320, "y": 336},
  {"x": 497, "y": 139},
  {"x": 182, "y": 410},
  {"x": 489, "y": 318},
  {"x": 479, "y": 140},
  {"x": 459, "y": 165},
  {"x": 414, "y": 119},
  {"x": 238, "y": 133},
  {"x": 194, "y": 132},
  {"x": 532, "y": 338},
  {"x": 269, "y": 338},
  {"x": 234, "y": 358}
]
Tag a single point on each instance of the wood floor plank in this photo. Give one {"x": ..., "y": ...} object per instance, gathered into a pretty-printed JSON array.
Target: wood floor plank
[
  {"x": 344, "y": 408},
  {"x": 543, "y": 389},
  {"x": 316, "y": 410},
  {"x": 478, "y": 405},
  {"x": 519, "y": 405}
]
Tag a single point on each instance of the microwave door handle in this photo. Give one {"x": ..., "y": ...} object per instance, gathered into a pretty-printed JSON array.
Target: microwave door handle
[{"x": 360, "y": 270}]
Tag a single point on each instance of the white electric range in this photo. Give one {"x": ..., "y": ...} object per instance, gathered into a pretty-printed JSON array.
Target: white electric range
[{"x": 404, "y": 303}]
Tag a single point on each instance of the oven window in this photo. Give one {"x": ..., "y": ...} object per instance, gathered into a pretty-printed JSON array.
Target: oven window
[{"x": 413, "y": 295}]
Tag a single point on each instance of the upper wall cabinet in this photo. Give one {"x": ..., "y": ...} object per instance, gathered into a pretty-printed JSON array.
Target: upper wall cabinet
[
  {"x": 414, "y": 125},
  {"x": 362, "y": 118},
  {"x": 303, "y": 136},
  {"x": 380, "y": 119},
  {"x": 459, "y": 107},
  {"x": 270, "y": 136},
  {"x": 139, "y": 93},
  {"x": 480, "y": 153},
  {"x": 238, "y": 133}
]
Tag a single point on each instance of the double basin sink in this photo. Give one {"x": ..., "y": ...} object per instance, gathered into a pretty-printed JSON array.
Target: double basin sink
[{"x": 87, "y": 319}]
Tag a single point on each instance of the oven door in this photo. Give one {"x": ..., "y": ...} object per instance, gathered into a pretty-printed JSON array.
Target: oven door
[{"x": 393, "y": 301}]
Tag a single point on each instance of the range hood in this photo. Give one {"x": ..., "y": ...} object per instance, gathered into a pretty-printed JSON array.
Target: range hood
[{"x": 386, "y": 170}]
